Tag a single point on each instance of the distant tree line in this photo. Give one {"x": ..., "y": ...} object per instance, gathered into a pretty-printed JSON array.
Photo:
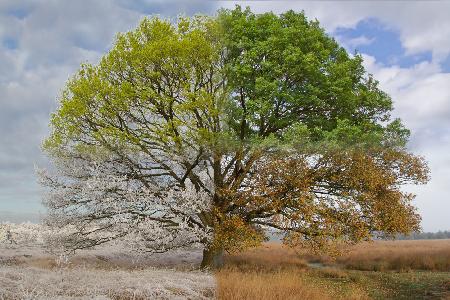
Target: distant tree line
[{"x": 425, "y": 236}]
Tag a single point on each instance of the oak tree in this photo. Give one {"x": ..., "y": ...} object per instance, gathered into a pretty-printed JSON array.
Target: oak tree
[{"x": 213, "y": 130}]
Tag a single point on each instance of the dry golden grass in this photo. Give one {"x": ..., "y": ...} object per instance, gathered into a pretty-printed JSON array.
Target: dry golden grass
[
  {"x": 233, "y": 284},
  {"x": 432, "y": 255},
  {"x": 268, "y": 257},
  {"x": 276, "y": 272},
  {"x": 273, "y": 272}
]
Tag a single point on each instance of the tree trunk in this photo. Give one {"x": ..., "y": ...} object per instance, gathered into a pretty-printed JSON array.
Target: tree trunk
[{"x": 212, "y": 259}]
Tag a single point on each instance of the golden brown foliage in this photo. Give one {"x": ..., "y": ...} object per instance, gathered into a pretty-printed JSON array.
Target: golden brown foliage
[
  {"x": 337, "y": 195},
  {"x": 233, "y": 234}
]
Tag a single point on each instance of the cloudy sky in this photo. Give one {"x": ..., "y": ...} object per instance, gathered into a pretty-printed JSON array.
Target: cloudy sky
[{"x": 406, "y": 45}]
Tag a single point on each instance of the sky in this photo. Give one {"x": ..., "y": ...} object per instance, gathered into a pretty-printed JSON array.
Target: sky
[{"x": 405, "y": 45}]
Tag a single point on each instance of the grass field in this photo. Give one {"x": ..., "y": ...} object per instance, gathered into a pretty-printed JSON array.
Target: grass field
[
  {"x": 431, "y": 255},
  {"x": 378, "y": 270}
]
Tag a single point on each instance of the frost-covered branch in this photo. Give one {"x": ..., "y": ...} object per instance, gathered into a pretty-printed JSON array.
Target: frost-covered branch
[{"x": 95, "y": 203}]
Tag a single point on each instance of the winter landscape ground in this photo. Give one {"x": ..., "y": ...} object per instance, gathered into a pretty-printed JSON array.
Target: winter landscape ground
[
  {"x": 378, "y": 270},
  {"x": 28, "y": 271}
]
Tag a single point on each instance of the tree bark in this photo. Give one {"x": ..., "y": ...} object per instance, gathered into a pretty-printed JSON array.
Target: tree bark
[{"x": 212, "y": 259}]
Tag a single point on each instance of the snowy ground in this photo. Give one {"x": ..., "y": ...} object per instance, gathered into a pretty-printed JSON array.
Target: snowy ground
[{"x": 28, "y": 272}]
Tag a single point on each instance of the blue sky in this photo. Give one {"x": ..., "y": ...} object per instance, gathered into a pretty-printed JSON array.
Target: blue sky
[
  {"x": 372, "y": 37},
  {"x": 406, "y": 45}
]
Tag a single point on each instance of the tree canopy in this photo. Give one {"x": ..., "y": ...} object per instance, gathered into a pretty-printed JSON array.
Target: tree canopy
[{"x": 265, "y": 116}]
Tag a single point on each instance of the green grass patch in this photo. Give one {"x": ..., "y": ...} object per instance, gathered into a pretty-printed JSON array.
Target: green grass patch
[{"x": 350, "y": 284}]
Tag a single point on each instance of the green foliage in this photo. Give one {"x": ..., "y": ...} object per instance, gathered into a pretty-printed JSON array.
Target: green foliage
[
  {"x": 288, "y": 71},
  {"x": 156, "y": 72},
  {"x": 278, "y": 74}
]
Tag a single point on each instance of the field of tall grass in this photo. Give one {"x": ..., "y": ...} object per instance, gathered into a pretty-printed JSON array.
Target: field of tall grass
[
  {"x": 275, "y": 272},
  {"x": 377, "y": 270},
  {"x": 431, "y": 255}
]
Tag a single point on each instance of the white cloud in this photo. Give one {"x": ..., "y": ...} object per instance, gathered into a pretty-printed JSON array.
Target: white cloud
[
  {"x": 422, "y": 99},
  {"x": 420, "y": 93},
  {"x": 359, "y": 41},
  {"x": 53, "y": 37}
]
